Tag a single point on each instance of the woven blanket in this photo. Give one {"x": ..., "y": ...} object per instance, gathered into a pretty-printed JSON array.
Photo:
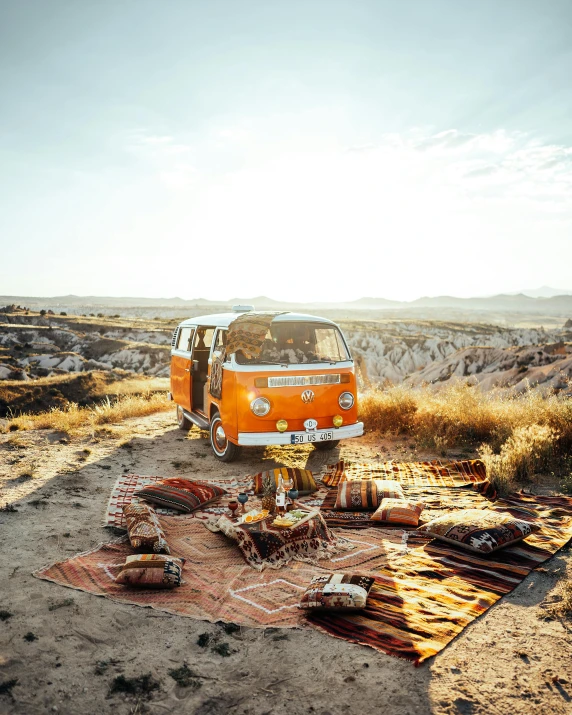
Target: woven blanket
[
  {"x": 247, "y": 333},
  {"x": 424, "y": 593},
  {"x": 435, "y": 473},
  {"x": 264, "y": 545},
  {"x": 127, "y": 484},
  {"x": 422, "y": 600},
  {"x": 440, "y": 486}
]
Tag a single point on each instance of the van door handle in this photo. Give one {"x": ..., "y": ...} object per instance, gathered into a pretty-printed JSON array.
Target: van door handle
[{"x": 187, "y": 369}]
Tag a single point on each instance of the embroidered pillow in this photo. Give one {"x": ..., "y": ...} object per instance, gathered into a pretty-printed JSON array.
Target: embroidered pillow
[
  {"x": 398, "y": 511},
  {"x": 303, "y": 479},
  {"x": 336, "y": 591},
  {"x": 480, "y": 530},
  {"x": 144, "y": 529},
  {"x": 151, "y": 571},
  {"x": 181, "y": 494},
  {"x": 361, "y": 495}
]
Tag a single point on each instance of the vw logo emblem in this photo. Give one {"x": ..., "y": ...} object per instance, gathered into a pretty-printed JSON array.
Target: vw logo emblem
[{"x": 307, "y": 396}]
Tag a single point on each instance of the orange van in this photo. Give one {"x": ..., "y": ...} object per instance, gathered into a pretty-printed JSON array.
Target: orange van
[{"x": 255, "y": 378}]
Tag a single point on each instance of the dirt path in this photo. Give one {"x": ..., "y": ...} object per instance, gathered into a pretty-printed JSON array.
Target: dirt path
[{"x": 511, "y": 660}]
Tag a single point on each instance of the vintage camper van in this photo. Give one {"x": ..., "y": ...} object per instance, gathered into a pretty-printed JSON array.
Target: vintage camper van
[{"x": 294, "y": 385}]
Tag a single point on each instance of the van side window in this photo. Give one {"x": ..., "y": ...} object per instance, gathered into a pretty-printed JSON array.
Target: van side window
[
  {"x": 219, "y": 342},
  {"x": 204, "y": 338},
  {"x": 184, "y": 339}
]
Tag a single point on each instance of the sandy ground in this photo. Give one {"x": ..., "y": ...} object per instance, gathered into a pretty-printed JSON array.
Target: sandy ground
[{"x": 512, "y": 660}]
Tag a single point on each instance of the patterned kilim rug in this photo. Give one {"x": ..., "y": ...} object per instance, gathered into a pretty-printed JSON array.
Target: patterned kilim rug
[
  {"x": 435, "y": 473},
  {"x": 127, "y": 484},
  {"x": 218, "y": 584}
]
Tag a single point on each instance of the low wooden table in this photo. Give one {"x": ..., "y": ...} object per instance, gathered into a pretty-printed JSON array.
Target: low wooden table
[{"x": 264, "y": 545}]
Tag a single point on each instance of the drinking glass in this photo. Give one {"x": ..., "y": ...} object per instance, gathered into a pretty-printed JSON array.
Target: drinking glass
[
  {"x": 233, "y": 506},
  {"x": 293, "y": 495},
  {"x": 243, "y": 498}
]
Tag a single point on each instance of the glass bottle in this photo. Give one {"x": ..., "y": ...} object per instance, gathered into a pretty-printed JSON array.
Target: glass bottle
[{"x": 280, "y": 497}]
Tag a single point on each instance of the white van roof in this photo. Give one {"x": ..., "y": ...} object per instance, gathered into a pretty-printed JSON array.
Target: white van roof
[{"x": 223, "y": 320}]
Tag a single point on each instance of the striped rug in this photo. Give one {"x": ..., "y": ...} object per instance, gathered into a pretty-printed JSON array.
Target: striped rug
[
  {"x": 421, "y": 601},
  {"x": 435, "y": 473}
]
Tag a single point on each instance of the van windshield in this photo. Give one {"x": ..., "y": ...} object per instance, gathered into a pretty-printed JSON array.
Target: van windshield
[{"x": 294, "y": 343}]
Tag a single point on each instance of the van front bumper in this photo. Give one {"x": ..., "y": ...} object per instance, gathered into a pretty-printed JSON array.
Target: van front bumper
[{"x": 260, "y": 439}]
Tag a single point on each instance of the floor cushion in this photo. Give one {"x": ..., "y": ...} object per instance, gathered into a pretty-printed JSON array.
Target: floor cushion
[
  {"x": 479, "y": 530},
  {"x": 336, "y": 591},
  {"x": 182, "y": 494},
  {"x": 364, "y": 494},
  {"x": 151, "y": 571},
  {"x": 144, "y": 529},
  {"x": 303, "y": 479},
  {"x": 398, "y": 512}
]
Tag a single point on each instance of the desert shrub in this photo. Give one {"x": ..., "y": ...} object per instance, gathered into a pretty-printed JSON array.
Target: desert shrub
[
  {"x": 462, "y": 415},
  {"x": 389, "y": 411},
  {"x": 72, "y": 417},
  {"x": 527, "y": 452}
]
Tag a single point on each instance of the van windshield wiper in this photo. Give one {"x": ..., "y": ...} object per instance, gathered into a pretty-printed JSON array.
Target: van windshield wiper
[{"x": 268, "y": 362}]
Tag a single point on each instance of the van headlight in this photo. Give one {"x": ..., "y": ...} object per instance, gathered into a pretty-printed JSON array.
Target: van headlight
[
  {"x": 346, "y": 400},
  {"x": 260, "y": 406}
]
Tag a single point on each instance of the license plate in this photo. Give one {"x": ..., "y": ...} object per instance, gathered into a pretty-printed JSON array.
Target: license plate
[{"x": 301, "y": 437}]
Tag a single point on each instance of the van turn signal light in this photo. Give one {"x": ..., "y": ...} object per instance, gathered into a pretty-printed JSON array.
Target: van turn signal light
[
  {"x": 338, "y": 421},
  {"x": 282, "y": 425}
]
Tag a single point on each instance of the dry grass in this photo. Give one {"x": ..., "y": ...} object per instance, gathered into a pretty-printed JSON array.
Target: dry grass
[
  {"x": 519, "y": 434},
  {"x": 563, "y": 606},
  {"x": 74, "y": 418}
]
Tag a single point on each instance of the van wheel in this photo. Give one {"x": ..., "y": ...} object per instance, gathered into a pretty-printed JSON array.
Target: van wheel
[
  {"x": 183, "y": 422},
  {"x": 325, "y": 446},
  {"x": 223, "y": 449}
]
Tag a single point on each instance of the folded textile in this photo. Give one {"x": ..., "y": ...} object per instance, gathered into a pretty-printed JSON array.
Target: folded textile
[{"x": 144, "y": 529}]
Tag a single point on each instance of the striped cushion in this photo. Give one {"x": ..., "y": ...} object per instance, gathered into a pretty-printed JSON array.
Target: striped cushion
[
  {"x": 303, "y": 479},
  {"x": 398, "y": 511},
  {"x": 361, "y": 495},
  {"x": 181, "y": 494},
  {"x": 480, "y": 530},
  {"x": 334, "y": 474}
]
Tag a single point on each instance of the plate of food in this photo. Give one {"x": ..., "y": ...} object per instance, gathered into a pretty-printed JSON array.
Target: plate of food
[
  {"x": 253, "y": 516},
  {"x": 290, "y": 519}
]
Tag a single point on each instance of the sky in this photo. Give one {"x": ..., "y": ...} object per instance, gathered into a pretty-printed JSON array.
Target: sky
[{"x": 300, "y": 149}]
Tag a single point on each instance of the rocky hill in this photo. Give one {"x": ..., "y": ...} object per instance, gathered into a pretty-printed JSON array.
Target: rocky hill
[
  {"x": 34, "y": 345},
  {"x": 393, "y": 350}
]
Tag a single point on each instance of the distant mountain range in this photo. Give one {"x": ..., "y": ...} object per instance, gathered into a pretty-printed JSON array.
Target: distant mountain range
[{"x": 548, "y": 301}]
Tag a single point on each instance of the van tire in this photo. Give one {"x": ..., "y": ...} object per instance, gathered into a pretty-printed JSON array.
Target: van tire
[
  {"x": 182, "y": 420},
  {"x": 326, "y": 446},
  {"x": 223, "y": 449}
]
